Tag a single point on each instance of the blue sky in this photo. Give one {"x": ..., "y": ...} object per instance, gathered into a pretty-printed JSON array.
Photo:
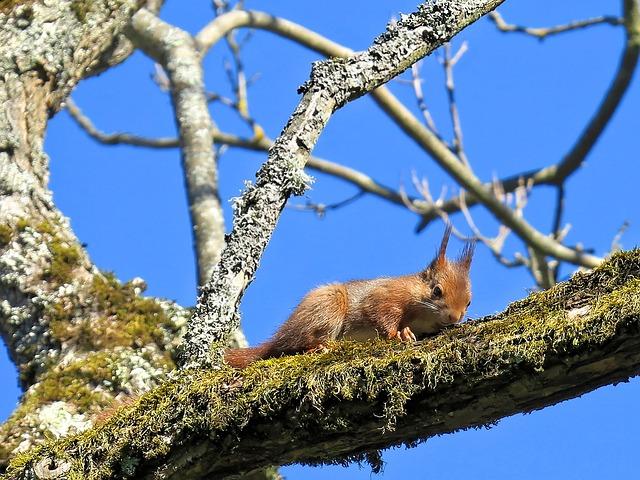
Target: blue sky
[{"x": 522, "y": 104}]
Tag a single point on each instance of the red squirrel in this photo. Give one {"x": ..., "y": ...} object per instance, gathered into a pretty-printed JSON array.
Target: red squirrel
[{"x": 393, "y": 308}]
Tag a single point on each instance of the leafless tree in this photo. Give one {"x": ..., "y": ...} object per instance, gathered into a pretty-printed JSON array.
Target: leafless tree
[{"x": 84, "y": 342}]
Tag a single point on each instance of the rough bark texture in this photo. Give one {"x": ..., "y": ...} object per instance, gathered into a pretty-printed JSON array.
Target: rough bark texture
[
  {"x": 78, "y": 337},
  {"x": 333, "y": 83},
  {"x": 345, "y": 404}
]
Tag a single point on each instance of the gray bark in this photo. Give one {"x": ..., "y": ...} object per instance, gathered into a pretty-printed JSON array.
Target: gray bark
[
  {"x": 33, "y": 83},
  {"x": 176, "y": 51}
]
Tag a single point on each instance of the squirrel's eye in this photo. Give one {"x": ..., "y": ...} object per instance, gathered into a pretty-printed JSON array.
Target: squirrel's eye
[{"x": 437, "y": 291}]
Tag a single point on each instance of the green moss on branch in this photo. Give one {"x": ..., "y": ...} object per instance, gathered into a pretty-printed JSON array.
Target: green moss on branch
[
  {"x": 88, "y": 387},
  {"x": 6, "y": 234},
  {"x": 346, "y": 403}
]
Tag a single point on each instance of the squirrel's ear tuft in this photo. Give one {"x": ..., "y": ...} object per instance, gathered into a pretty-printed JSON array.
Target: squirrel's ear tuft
[
  {"x": 467, "y": 254},
  {"x": 441, "y": 256}
]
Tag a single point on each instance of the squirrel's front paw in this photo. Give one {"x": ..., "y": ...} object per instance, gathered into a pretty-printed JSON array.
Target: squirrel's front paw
[{"x": 405, "y": 335}]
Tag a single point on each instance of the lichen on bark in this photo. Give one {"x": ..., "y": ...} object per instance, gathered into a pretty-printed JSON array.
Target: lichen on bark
[{"x": 50, "y": 293}]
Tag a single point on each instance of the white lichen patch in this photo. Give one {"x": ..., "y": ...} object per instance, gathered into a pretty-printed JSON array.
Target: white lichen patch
[
  {"x": 134, "y": 373},
  {"x": 57, "y": 419}
]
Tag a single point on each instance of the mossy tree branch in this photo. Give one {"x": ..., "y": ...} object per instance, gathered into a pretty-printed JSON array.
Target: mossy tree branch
[{"x": 346, "y": 404}]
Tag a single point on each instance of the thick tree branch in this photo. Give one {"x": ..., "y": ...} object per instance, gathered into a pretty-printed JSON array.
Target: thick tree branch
[
  {"x": 333, "y": 83},
  {"x": 345, "y": 404},
  {"x": 176, "y": 51}
]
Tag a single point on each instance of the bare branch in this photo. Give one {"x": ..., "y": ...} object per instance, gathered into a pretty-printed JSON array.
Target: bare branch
[
  {"x": 321, "y": 209},
  {"x": 333, "y": 83},
  {"x": 176, "y": 51},
  {"x": 558, "y": 173},
  {"x": 426, "y": 139},
  {"x": 495, "y": 244},
  {"x": 360, "y": 180},
  {"x": 407, "y": 121},
  {"x": 416, "y": 83},
  {"x": 544, "y": 32},
  {"x": 116, "y": 138},
  {"x": 448, "y": 63},
  {"x": 466, "y": 179},
  {"x": 574, "y": 158}
]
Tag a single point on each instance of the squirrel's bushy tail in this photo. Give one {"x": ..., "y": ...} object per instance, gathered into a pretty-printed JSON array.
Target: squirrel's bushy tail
[{"x": 241, "y": 357}]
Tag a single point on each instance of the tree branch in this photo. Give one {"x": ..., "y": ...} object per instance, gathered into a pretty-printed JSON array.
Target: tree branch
[
  {"x": 448, "y": 63},
  {"x": 87, "y": 125},
  {"x": 345, "y": 404},
  {"x": 544, "y": 32},
  {"x": 176, "y": 51},
  {"x": 467, "y": 180},
  {"x": 358, "y": 179},
  {"x": 572, "y": 160},
  {"x": 628, "y": 63},
  {"x": 333, "y": 83},
  {"x": 425, "y": 138}
]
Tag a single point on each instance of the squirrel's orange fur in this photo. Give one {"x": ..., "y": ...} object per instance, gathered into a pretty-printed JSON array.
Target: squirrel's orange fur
[{"x": 394, "y": 308}]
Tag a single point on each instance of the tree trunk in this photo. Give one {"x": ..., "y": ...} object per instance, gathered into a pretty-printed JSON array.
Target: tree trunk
[{"x": 69, "y": 328}]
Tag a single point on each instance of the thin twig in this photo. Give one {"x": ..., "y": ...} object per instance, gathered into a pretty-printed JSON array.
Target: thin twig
[
  {"x": 615, "y": 243},
  {"x": 116, "y": 138},
  {"x": 449, "y": 62},
  {"x": 544, "y": 32},
  {"x": 358, "y": 179},
  {"x": 495, "y": 244},
  {"x": 416, "y": 83},
  {"x": 321, "y": 209}
]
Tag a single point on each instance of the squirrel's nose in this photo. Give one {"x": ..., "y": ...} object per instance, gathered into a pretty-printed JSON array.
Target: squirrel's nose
[{"x": 453, "y": 318}]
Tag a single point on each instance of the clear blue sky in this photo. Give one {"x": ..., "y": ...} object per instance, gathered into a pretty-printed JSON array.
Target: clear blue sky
[{"x": 522, "y": 104}]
